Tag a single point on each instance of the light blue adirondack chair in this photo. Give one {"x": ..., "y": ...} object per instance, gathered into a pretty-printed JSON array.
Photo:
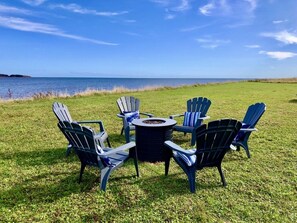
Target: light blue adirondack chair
[
  {"x": 62, "y": 113},
  {"x": 212, "y": 143},
  {"x": 193, "y": 117},
  {"x": 251, "y": 118},
  {"x": 129, "y": 109},
  {"x": 88, "y": 149}
]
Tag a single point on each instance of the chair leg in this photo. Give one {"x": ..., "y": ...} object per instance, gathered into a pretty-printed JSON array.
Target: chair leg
[
  {"x": 105, "y": 173},
  {"x": 108, "y": 142},
  {"x": 193, "y": 140},
  {"x": 246, "y": 148},
  {"x": 192, "y": 181},
  {"x": 122, "y": 131},
  {"x": 136, "y": 166},
  {"x": 82, "y": 168},
  {"x": 167, "y": 163},
  {"x": 222, "y": 175}
]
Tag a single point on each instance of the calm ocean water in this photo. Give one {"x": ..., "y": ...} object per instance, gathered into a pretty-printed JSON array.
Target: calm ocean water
[{"x": 27, "y": 87}]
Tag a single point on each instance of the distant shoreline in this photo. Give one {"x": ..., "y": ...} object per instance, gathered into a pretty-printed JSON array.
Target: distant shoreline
[{"x": 13, "y": 75}]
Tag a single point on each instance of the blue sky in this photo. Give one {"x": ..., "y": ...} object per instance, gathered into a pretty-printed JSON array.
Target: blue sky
[{"x": 149, "y": 38}]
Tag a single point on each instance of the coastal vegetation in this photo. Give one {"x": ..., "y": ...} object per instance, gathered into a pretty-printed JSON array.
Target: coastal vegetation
[{"x": 40, "y": 184}]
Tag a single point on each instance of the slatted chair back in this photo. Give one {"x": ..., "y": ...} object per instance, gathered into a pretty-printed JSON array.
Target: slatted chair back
[
  {"x": 128, "y": 104},
  {"x": 61, "y": 111},
  {"x": 199, "y": 104},
  {"x": 214, "y": 140},
  {"x": 82, "y": 140},
  {"x": 253, "y": 114}
]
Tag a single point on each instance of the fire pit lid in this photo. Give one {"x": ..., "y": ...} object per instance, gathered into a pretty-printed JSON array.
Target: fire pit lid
[{"x": 154, "y": 122}]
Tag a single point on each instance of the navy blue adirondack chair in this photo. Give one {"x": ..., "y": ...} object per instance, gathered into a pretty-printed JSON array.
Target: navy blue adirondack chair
[
  {"x": 62, "y": 113},
  {"x": 212, "y": 143},
  {"x": 129, "y": 109},
  {"x": 251, "y": 118},
  {"x": 193, "y": 117},
  {"x": 88, "y": 149}
]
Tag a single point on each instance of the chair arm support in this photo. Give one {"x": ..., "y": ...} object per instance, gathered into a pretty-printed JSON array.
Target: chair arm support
[
  {"x": 248, "y": 129},
  {"x": 174, "y": 116},
  {"x": 147, "y": 114},
  {"x": 204, "y": 118},
  {"x": 121, "y": 115},
  {"x": 99, "y": 122},
  {"x": 171, "y": 145},
  {"x": 118, "y": 149}
]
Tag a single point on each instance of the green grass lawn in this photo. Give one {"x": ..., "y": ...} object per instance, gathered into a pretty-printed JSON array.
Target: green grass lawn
[{"x": 38, "y": 183}]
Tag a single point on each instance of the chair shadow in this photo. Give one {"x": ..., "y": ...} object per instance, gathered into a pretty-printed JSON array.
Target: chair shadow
[{"x": 293, "y": 101}]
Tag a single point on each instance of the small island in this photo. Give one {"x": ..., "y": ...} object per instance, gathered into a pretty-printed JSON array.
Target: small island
[{"x": 13, "y": 75}]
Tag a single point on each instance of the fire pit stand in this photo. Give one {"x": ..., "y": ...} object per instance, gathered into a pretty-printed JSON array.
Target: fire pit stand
[{"x": 150, "y": 136}]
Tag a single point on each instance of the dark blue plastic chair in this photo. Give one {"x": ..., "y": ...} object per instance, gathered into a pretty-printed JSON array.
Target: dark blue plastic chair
[
  {"x": 87, "y": 148},
  {"x": 199, "y": 104},
  {"x": 62, "y": 113},
  {"x": 212, "y": 143},
  {"x": 129, "y": 106},
  {"x": 251, "y": 118}
]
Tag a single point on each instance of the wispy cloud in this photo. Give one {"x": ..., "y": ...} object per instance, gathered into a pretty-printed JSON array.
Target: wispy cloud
[
  {"x": 229, "y": 8},
  {"x": 28, "y": 26},
  {"x": 34, "y": 2},
  {"x": 283, "y": 36},
  {"x": 211, "y": 43},
  {"x": 254, "y": 46},
  {"x": 193, "y": 28},
  {"x": 78, "y": 9},
  {"x": 278, "y": 54},
  {"x": 13, "y": 10},
  {"x": 183, "y": 6},
  {"x": 169, "y": 16},
  {"x": 279, "y": 21},
  {"x": 207, "y": 9}
]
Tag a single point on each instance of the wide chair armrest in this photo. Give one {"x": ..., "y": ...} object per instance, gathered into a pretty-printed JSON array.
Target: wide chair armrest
[
  {"x": 175, "y": 116},
  {"x": 248, "y": 129},
  {"x": 204, "y": 117},
  {"x": 118, "y": 149},
  {"x": 99, "y": 122},
  {"x": 147, "y": 114},
  {"x": 171, "y": 145},
  {"x": 121, "y": 115}
]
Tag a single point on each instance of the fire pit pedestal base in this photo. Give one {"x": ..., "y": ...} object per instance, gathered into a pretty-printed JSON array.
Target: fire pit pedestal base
[{"x": 150, "y": 136}]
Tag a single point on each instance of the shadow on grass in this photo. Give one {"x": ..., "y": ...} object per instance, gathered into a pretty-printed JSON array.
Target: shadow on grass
[{"x": 293, "y": 101}]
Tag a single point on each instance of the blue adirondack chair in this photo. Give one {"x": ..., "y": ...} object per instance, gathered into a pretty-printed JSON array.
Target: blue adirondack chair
[
  {"x": 251, "y": 118},
  {"x": 193, "y": 117},
  {"x": 212, "y": 143},
  {"x": 88, "y": 149},
  {"x": 62, "y": 113},
  {"x": 129, "y": 110}
]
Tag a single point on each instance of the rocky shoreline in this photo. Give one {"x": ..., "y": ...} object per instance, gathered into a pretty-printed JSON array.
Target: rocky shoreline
[{"x": 13, "y": 75}]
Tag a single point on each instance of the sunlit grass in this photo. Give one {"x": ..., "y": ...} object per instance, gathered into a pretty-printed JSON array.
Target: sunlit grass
[{"x": 39, "y": 184}]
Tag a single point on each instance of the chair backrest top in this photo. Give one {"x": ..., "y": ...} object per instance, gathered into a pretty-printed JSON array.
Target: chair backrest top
[
  {"x": 199, "y": 104},
  {"x": 61, "y": 111},
  {"x": 82, "y": 140},
  {"x": 128, "y": 104},
  {"x": 254, "y": 113},
  {"x": 213, "y": 140}
]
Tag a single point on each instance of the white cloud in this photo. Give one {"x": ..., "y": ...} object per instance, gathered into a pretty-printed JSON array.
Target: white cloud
[
  {"x": 169, "y": 16},
  {"x": 278, "y": 54},
  {"x": 28, "y": 26},
  {"x": 211, "y": 43},
  {"x": 184, "y": 5},
  {"x": 78, "y": 9},
  {"x": 241, "y": 9},
  {"x": 34, "y": 2},
  {"x": 283, "y": 36},
  {"x": 254, "y": 46},
  {"x": 13, "y": 10},
  {"x": 279, "y": 21},
  {"x": 206, "y": 9}
]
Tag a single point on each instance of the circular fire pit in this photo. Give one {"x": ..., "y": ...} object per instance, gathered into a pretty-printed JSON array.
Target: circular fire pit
[{"x": 150, "y": 136}]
